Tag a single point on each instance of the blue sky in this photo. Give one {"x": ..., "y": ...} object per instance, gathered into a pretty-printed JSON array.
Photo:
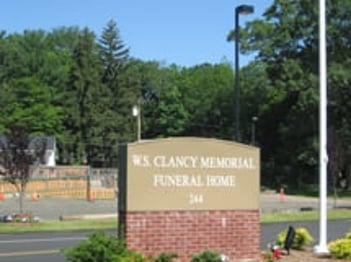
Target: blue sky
[{"x": 184, "y": 32}]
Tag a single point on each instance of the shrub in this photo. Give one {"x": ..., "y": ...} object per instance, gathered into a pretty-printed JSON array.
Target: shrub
[
  {"x": 302, "y": 238},
  {"x": 165, "y": 257},
  {"x": 206, "y": 256},
  {"x": 130, "y": 256},
  {"x": 341, "y": 248},
  {"x": 100, "y": 247}
]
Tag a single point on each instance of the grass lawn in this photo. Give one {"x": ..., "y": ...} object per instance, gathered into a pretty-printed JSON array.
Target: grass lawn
[
  {"x": 304, "y": 216},
  {"x": 56, "y": 225}
]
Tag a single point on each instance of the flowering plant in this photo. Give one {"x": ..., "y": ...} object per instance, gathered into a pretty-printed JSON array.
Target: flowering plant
[
  {"x": 25, "y": 217},
  {"x": 273, "y": 254}
]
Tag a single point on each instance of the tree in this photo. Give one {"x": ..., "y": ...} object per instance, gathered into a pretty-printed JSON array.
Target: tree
[
  {"x": 171, "y": 116},
  {"x": 29, "y": 102},
  {"x": 286, "y": 42},
  {"x": 208, "y": 95},
  {"x": 114, "y": 56},
  {"x": 113, "y": 53},
  {"x": 19, "y": 156},
  {"x": 86, "y": 100}
]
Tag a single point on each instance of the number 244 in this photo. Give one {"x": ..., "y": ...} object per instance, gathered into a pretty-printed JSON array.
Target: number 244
[{"x": 195, "y": 199}]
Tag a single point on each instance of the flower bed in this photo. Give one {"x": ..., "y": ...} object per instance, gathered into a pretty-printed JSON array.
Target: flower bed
[{"x": 25, "y": 217}]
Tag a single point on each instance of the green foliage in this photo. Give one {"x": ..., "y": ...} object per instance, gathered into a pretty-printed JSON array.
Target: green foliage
[
  {"x": 113, "y": 53},
  {"x": 206, "y": 256},
  {"x": 165, "y": 257},
  {"x": 171, "y": 115},
  {"x": 98, "y": 248},
  {"x": 101, "y": 247},
  {"x": 27, "y": 101},
  {"x": 207, "y": 96},
  {"x": 131, "y": 256},
  {"x": 301, "y": 239},
  {"x": 286, "y": 41},
  {"x": 340, "y": 248},
  {"x": 81, "y": 89},
  {"x": 86, "y": 99}
]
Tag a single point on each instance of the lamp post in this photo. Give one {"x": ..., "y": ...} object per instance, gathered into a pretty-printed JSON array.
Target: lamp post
[
  {"x": 253, "y": 129},
  {"x": 241, "y": 9},
  {"x": 136, "y": 113}
]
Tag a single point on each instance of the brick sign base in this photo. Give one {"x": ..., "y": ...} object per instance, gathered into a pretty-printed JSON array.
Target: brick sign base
[{"x": 235, "y": 233}]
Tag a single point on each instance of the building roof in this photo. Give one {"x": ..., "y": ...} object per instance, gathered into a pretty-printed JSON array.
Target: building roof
[{"x": 50, "y": 142}]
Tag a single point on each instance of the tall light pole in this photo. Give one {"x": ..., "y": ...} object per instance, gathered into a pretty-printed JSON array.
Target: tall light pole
[
  {"x": 253, "y": 129},
  {"x": 241, "y": 9},
  {"x": 137, "y": 114},
  {"x": 322, "y": 247}
]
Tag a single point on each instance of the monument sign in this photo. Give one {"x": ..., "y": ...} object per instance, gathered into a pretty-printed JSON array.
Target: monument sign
[{"x": 188, "y": 175}]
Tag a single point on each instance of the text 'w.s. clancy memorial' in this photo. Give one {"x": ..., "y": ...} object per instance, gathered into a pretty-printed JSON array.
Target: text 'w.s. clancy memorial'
[{"x": 188, "y": 195}]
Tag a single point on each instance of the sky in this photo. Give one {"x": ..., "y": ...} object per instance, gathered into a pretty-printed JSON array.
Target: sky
[{"x": 183, "y": 32}]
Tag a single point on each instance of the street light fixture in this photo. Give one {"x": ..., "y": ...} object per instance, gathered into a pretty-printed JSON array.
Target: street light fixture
[
  {"x": 136, "y": 113},
  {"x": 253, "y": 129},
  {"x": 244, "y": 10}
]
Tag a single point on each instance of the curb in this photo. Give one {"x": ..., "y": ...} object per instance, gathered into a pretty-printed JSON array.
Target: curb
[{"x": 87, "y": 217}]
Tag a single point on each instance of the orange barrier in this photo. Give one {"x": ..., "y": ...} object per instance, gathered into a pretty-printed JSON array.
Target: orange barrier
[
  {"x": 60, "y": 189},
  {"x": 35, "y": 196},
  {"x": 282, "y": 194}
]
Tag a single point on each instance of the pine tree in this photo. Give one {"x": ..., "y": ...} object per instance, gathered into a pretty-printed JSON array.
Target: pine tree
[
  {"x": 86, "y": 99},
  {"x": 114, "y": 56}
]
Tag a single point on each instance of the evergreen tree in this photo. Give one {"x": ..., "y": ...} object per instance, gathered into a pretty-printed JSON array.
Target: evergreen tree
[
  {"x": 114, "y": 56},
  {"x": 86, "y": 100}
]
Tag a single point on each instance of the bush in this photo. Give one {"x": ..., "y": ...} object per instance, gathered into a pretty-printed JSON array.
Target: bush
[
  {"x": 206, "y": 256},
  {"x": 341, "y": 248},
  {"x": 165, "y": 257},
  {"x": 101, "y": 247},
  {"x": 98, "y": 247},
  {"x": 302, "y": 238},
  {"x": 130, "y": 256}
]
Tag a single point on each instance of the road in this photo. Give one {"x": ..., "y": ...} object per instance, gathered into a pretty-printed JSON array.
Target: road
[
  {"x": 37, "y": 247},
  {"x": 52, "y": 209},
  {"x": 43, "y": 247}
]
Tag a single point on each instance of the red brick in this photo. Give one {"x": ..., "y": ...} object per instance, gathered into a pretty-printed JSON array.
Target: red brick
[{"x": 235, "y": 232}]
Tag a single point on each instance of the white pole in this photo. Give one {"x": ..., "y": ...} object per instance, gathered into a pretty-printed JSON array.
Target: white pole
[
  {"x": 137, "y": 113},
  {"x": 323, "y": 155}
]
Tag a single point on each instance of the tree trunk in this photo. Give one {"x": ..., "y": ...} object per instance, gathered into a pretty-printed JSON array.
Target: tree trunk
[{"x": 21, "y": 199}]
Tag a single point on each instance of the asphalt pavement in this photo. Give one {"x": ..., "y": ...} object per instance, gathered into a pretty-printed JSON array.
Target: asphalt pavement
[
  {"x": 51, "y": 209},
  {"x": 48, "y": 246},
  {"x": 273, "y": 202},
  {"x": 42, "y": 246}
]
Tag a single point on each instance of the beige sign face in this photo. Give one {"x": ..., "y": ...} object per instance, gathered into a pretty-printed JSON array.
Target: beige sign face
[{"x": 191, "y": 174}]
